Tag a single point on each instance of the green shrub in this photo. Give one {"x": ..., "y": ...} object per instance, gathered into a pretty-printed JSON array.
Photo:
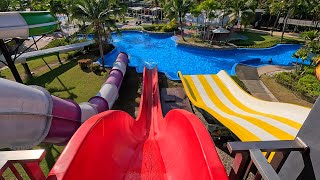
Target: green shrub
[
  {"x": 169, "y": 28},
  {"x": 62, "y": 42},
  {"x": 84, "y": 63},
  {"x": 309, "y": 70},
  {"x": 154, "y": 27},
  {"x": 56, "y": 43},
  {"x": 284, "y": 78},
  {"x": 309, "y": 85},
  {"x": 306, "y": 84},
  {"x": 95, "y": 68},
  {"x": 73, "y": 54},
  {"x": 131, "y": 28}
]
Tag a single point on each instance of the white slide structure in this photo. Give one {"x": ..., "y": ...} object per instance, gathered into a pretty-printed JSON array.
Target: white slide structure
[
  {"x": 249, "y": 118},
  {"x": 51, "y": 51}
]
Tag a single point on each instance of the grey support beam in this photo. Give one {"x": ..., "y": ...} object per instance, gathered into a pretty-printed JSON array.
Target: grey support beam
[
  {"x": 264, "y": 168},
  {"x": 266, "y": 146}
]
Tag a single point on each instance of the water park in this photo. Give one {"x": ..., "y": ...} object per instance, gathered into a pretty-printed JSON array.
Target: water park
[{"x": 97, "y": 89}]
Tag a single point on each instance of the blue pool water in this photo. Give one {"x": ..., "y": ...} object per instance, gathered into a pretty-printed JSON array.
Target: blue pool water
[{"x": 161, "y": 50}]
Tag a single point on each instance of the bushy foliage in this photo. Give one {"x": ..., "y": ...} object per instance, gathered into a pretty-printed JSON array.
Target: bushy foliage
[
  {"x": 62, "y": 42},
  {"x": 95, "y": 68},
  {"x": 85, "y": 63},
  {"x": 311, "y": 50},
  {"x": 154, "y": 27},
  {"x": 161, "y": 27},
  {"x": 56, "y": 43},
  {"x": 170, "y": 27},
  {"x": 266, "y": 44},
  {"x": 305, "y": 84}
]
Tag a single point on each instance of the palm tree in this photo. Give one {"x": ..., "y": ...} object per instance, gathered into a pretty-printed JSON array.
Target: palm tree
[
  {"x": 209, "y": 7},
  {"x": 315, "y": 10},
  {"x": 178, "y": 8},
  {"x": 225, "y": 10},
  {"x": 241, "y": 9},
  {"x": 291, "y": 6},
  {"x": 196, "y": 12},
  {"x": 275, "y": 8},
  {"x": 100, "y": 14},
  {"x": 4, "y": 5}
]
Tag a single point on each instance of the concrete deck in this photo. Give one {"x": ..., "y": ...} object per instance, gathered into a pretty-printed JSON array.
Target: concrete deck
[
  {"x": 250, "y": 77},
  {"x": 174, "y": 98}
]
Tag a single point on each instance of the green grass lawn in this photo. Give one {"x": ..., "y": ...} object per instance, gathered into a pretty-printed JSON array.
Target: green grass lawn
[
  {"x": 256, "y": 40},
  {"x": 282, "y": 93},
  {"x": 33, "y": 64},
  {"x": 68, "y": 81},
  {"x": 64, "y": 81}
]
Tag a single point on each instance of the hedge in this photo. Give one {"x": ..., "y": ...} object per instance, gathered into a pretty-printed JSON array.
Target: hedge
[{"x": 306, "y": 84}]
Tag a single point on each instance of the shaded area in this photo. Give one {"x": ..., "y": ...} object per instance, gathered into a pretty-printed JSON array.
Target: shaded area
[
  {"x": 174, "y": 98},
  {"x": 130, "y": 90},
  {"x": 53, "y": 74}
]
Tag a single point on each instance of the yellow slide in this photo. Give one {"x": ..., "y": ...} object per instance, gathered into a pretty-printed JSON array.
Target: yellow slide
[{"x": 249, "y": 118}]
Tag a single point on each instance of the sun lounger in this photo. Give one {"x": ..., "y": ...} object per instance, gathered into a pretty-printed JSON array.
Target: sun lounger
[
  {"x": 249, "y": 118},
  {"x": 295, "y": 159}
]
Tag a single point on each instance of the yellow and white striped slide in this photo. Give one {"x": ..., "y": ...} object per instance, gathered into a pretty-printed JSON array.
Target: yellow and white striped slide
[{"x": 249, "y": 118}]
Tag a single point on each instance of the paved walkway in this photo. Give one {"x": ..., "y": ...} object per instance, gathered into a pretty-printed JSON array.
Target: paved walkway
[
  {"x": 250, "y": 77},
  {"x": 273, "y": 68}
]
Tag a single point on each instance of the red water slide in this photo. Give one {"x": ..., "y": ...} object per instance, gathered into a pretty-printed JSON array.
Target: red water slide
[{"x": 112, "y": 145}]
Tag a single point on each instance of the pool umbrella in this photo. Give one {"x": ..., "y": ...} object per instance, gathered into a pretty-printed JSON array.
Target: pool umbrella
[
  {"x": 220, "y": 30},
  {"x": 220, "y": 33}
]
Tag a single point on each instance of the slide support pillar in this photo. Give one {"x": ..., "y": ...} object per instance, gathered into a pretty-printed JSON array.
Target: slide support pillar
[
  {"x": 27, "y": 69},
  {"x": 10, "y": 63}
]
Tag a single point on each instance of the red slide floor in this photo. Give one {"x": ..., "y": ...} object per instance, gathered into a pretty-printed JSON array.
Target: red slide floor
[{"x": 112, "y": 145}]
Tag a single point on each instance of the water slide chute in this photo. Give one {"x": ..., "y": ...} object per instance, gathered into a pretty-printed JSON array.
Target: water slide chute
[
  {"x": 23, "y": 25},
  {"x": 29, "y": 115},
  {"x": 112, "y": 145},
  {"x": 26, "y": 23}
]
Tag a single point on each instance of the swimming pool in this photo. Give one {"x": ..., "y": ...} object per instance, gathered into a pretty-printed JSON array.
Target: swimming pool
[{"x": 161, "y": 50}]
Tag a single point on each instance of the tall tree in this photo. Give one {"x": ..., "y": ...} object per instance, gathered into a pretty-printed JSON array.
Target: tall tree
[
  {"x": 4, "y": 5},
  {"x": 61, "y": 7},
  {"x": 241, "y": 9},
  {"x": 57, "y": 7},
  {"x": 196, "y": 12},
  {"x": 291, "y": 6},
  {"x": 275, "y": 7},
  {"x": 100, "y": 14},
  {"x": 224, "y": 6},
  {"x": 178, "y": 9},
  {"x": 314, "y": 6},
  {"x": 209, "y": 7}
]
